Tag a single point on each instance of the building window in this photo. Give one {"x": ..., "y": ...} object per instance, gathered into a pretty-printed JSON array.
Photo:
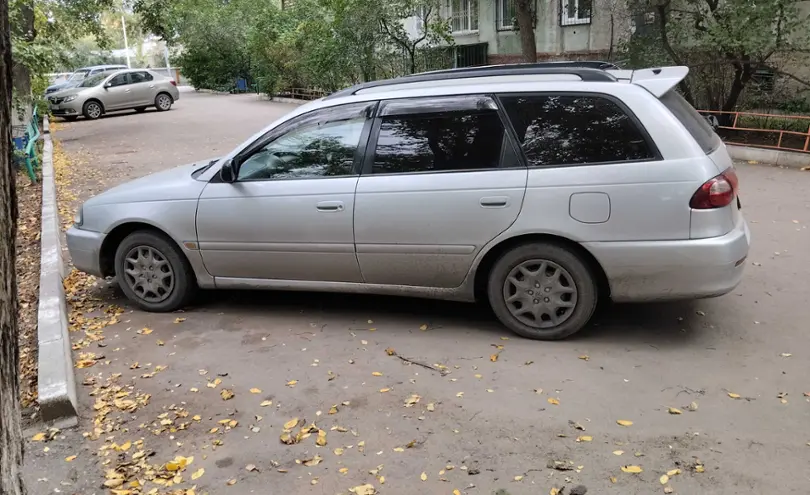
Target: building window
[
  {"x": 506, "y": 15},
  {"x": 575, "y": 12},
  {"x": 463, "y": 15}
]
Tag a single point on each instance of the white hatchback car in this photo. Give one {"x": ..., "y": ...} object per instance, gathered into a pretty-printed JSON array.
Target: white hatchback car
[{"x": 538, "y": 188}]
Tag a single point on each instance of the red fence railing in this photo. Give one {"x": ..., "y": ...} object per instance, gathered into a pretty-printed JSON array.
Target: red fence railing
[{"x": 762, "y": 130}]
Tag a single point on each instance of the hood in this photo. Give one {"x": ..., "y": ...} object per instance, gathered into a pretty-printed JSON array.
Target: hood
[
  {"x": 170, "y": 185},
  {"x": 55, "y": 87},
  {"x": 67, "y": 92}
]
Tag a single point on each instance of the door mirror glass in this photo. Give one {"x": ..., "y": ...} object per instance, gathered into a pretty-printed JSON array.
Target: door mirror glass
[{"x": 228, "y": 172}]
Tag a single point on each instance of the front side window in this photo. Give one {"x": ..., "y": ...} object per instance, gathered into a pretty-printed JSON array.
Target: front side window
[
  {"x": 575, "y": 129},
  {"x": 575, "y": 12},
  {"x": 119, "y": 80},
  {"x": 315, "y": 150},
  {"x": 439, "y": 142},
  {"x": 139, "y": 77},
  {"x": 91, "y": 81},
  {"x": 463, "y": 15}
]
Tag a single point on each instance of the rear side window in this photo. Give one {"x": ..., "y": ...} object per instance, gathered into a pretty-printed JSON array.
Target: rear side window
[
  {"x": 697, "y": 126},
  {"x": 438, "y": 142},
  {"x": 139, "y": 77},
  {"x": 575, "y": 129}
]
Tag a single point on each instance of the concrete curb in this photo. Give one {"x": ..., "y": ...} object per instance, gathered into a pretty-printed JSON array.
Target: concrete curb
[
  {"x": 780, "y": 158},
  {"x": 281, "y": 99},
  {"x": 211, "y": 91},
  {"x": 56, "y": 384}
]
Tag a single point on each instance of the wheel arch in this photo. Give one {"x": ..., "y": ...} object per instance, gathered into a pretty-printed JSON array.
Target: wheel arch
[
  {"x": 164, "y": 92},
  {"x": 484, "y": 267},
  {"x": 101, "y": 103},
  {"x": 114, "y": 238}
]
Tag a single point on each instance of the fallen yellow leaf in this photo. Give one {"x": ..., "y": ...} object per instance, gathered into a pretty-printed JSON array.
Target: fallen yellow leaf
[
  {"x": 673, "y": 472},
  {"x": 126, "y": 445},
  {"x": 226, "y": 394},
  {"x": 291, "y": 424},
  {"x": 39, "y": 437},
  {"x": 584, "y": 357},
  {"x": 255, "y": 391},
  {"x": 145, "y": 331},
  {"x": 618, "y": 452},
  {"x": 266, "y": 403},
  {"x": 292, "y": 383},
  {"x": 343, "y": 470},
  {"x": 733, "y": 395},
  {"x": 456, "y": 492},
  {"x": 179, "y": 320},
  {"x": 552, "y": 400},
  {"x": 493, "y": 357},
  {"x": 518, "y": 478},
  {"x": 460, "y": 394},
  {"x": 384, "y": 390},
  {"x": 554, "y": 491},
  {"x": 674, "y": 410},
  {"x": 612, "y": 479},
  {"x": 376, "y": 373},
  {"x": 321, "y": 440},
  {"x": 700, "y": 469},
  {"x": 196, "y": 474},
  {"x": 585, "y": 438},
  {"x": 423, "y": 328},
  {"x": 664, "y": 479},
  {"x": 333, "y": 409},
  {"x": 230, "y": 482},
  {"x": 339, "y": 451},
  {"x": 624, "y": 422},
  {"x": 632, "y": 469},
  {"x": 390, "y": 351},
  {"x": 312, "y": 462},
  {"x": 423, "y": 476},
  {"x": 70, "y": 458},
  {"x": 367, "y": 489}
]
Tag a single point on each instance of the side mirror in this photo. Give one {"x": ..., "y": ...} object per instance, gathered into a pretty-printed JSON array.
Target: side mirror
[
  {"x": 228, "y": 172},
  {"x": 107, "y": 85}
]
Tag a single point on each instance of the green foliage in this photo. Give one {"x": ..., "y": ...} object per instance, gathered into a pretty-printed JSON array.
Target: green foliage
[
  {"x": 324, "y": 44},
  {"x": 724, "y": 42}
]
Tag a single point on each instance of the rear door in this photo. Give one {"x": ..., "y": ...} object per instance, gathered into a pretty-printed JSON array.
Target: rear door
[
  {"x": 441, "y": 179},
  {"x": 143, "y": 88}
]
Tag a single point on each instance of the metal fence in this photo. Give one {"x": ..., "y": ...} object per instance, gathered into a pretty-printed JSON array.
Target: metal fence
[{"x": 762, "y": 130}]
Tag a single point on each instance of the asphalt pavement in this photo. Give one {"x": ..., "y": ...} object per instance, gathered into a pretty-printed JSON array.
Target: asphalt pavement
[{"x": 434, "y": 396}]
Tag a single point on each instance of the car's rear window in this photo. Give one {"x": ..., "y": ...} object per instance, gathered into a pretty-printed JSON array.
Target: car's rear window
[{"x": 697, "y": 126}]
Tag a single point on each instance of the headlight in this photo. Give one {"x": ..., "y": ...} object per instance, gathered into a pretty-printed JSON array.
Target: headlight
[
  {"x": 69, "y": 98},
  {"x": 77, "y": 218}
]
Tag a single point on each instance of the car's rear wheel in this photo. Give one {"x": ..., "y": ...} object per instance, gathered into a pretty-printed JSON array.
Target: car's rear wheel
[
  {"x": 153, "y": 273},
  {"x": 92, "y": 110},
  {"x": 542, "y": 291},
  {"x": 140, "y": 109},
  {"x": 163, "y": 102}
]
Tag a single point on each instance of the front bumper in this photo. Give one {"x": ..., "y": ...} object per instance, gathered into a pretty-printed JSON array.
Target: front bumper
[
  {"x": 668, "y": 270},
  {"x": 63, "y": 109},
  {"x": 85, "y": 250}
]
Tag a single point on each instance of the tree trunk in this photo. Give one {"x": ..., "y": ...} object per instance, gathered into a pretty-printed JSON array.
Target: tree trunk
[
  {"x": 525, "y": 21},
  {"x": 11, "y": 444},
  {"x": 742, "y": 75}
]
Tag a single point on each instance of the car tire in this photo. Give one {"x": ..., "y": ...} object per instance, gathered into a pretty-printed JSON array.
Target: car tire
[
  {"x": 163, "y": 102},
  {"x": 92, "y": 110},
  {"x": 70, "y": 118},
  {"x": 547, "y": 281},
  {"x": 140, "y": 109},
  {"x": 153, "y": 273}
]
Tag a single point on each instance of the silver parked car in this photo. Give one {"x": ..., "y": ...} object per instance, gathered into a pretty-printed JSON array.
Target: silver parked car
[
  {"x": 539, "y": 189},
  {"x": 105, "y": 92}
]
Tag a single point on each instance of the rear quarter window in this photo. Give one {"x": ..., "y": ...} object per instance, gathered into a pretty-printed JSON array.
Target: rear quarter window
[
  {"x": 697, "y": 126},
  {"x": 570, "y": 129}
]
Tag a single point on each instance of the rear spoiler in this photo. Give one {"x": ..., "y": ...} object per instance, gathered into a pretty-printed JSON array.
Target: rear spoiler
[{"x": 657, "y": 81}]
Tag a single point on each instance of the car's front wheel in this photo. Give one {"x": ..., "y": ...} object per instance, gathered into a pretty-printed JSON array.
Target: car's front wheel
[
  {"x": 163, "y": 102},
  {"x": 153, "y": 273},
  {"x": 92, "y": 110},
  {"x": 542, "y": 291}
]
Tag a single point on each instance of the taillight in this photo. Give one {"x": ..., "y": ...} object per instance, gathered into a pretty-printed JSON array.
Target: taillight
[
  {"x": 716, "y": 192},
  {"x": 174, "y": 83}
]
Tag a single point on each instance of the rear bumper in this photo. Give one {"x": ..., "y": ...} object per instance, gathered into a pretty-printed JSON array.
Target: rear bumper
[
  {"x": 667, "y": 270},
  {"x": 85, "y": 249}
]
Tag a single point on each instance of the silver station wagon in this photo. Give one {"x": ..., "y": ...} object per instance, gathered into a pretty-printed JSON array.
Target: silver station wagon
[{"x": 539, "y": 189}]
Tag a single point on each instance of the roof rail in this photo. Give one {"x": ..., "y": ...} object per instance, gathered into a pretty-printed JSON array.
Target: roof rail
[{"x": 552, "y": 68}]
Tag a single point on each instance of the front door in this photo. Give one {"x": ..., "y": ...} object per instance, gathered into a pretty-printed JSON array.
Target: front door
[
  {"x": 289, "y": 215},
  {"x": 117, "y": 93},
  {"x": 444, "y": 180}
]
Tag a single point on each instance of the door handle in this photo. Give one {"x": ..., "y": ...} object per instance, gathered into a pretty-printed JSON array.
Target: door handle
[
  {"x": 494, "y": 201},
  {"x": 330, "y": 206},
  {"x": 127, "y": 90},
  {"x": 152, "y": 86}
]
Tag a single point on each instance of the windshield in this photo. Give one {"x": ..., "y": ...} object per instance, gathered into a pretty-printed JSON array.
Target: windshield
[
  {"x": 78, "y": 75},
  {"x": 93, "y": 80}
]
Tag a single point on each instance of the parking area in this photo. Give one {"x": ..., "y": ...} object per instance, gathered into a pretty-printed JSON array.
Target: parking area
[{"x": 417, "y": 396}]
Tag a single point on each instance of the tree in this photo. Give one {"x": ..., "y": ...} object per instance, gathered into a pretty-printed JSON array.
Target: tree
[
  {"x": 431, "y": 29},
  {"x": 524, "y": 10},
  {"x": 11, "y": 443},
  {"x": 723, "y": 42}
]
